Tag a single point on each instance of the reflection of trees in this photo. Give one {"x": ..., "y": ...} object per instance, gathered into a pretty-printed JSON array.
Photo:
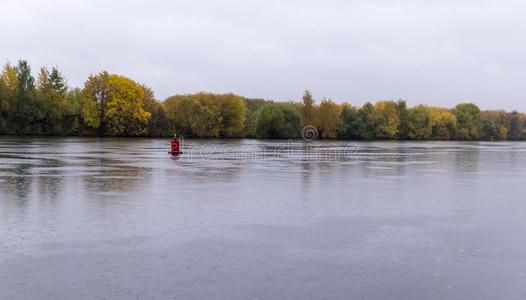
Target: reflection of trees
[
  {"x": 467, "y": 159},
  {"x": 51, "y": 182},
  {"x": 113, "y": 177},
  {"x": 384, "y": 161},
  {"x": 27, "y": 169},
  {"x": 18, "y": 184},
  {"x": 205, "y": 171},
  {"x": 306, "y": 174}
]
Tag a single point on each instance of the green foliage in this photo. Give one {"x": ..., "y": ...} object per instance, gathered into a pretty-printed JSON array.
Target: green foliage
[
  {"x": 368, "y": 120},
  {"x": 51, "y": 94},
  {"x": 26, "y": 111},
  {"x": 73, "y": 123},
  {"x": 517, "y": 126},
  {"x": 350, "y": 123},
  {"x": 8, "y": 98},
  {"x": 403, "y": 114},
  {"x": 4, "y": 105},
  {"x": 469, "y": 121},
  {"x": 501, "y": 121},
  {"x": 278, "y": 121},
  {"x": 207, "y": 115},
  {"x": 232, "y": 109},
  {"x": 419, "y": 126},
  {"x": 489, "y": 130},
  {"x": 253, "y": 106}
]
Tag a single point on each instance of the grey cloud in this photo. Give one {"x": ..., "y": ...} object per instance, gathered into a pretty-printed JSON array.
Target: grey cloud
[{"x": 433, "y": 52}]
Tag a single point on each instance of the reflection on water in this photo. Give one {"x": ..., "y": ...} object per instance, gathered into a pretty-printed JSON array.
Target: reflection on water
[{"x": 245, "y": 219}]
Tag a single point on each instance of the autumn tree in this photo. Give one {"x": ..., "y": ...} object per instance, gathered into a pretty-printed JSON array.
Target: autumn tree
[
  {"x": 403, "y": 114},
  {"x": 8, "y": 94},
  {"x": 501, "y": 121},
  {"x": 3, "y": 107},
  {"x": 207, "y": 115},
  {"x": 386, "y": 114},
  {"x": 158, "y": 125},
  {"x": 329, "y": 119},
  {"x": 96, "y": 91},
  {"x": 125, "y": 115},
  {"x": 120, "y": 105},
  {"x": 443, "y": 123},
  {"x": 232, "y": 109},
  {"x": 517, "y": 126},
  {"x": 309, "y": 111},
  {"x": 188, "y": 117}
]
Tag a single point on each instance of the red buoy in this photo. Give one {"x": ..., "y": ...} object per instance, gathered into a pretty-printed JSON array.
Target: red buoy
[{"x": 176, "y": 146}]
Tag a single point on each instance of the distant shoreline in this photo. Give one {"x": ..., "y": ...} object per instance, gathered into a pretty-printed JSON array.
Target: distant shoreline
[
  {"x": 298, "y": 140},
  {"x": 111, "y": 105}
]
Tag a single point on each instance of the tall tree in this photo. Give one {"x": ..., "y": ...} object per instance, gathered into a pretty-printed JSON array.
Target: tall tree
[
  {"x": 469, "y": 121},
  {"x": 3, "y": 106},
  {"x": 443, "y": 123},
  {"x": 517, "y": 126},
  {"x": 125, "y": 115},
  {"x": 51, "y": 93},
  {"x": 232, "y": 109},
  {"x": 97, "y": 90},
  {"x": 329, "y": 119},
  {"x": 489, "y": 130},
  {"x": 28, "y": 112},
  {"x": 120, "y": 105},
  {"x": 403, "y": 114},
  {"x": 501, "y": 121},
  {"x": 186, "y": 116},
  {"x": 419, "y": 124},
  {"x": 309, "y": 113},
  {"x": 278, "y": 121},
  {"x": 158, "y": 124},
  {"x": 58, "y": 83},
  {"x": 253, "y": 106},
  {"x": 386, "y": 113},
  {"x": 369, "y": 121},
  {"x": 9, "y": 93},
  {"x": 350, "y": 123}
]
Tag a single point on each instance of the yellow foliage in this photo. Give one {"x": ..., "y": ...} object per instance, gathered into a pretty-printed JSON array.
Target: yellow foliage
[
  {"x": 388, "y": 119},
  {"x": 329, "y": 118},
  {"x": 10, "y": 78},
  {"x": 442, "y": 121}
]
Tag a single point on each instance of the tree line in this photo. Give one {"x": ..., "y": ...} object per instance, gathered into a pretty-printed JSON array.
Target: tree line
[{"x": 115, "y": 105}]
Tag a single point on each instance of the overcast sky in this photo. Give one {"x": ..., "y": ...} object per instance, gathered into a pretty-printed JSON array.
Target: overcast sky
[{"x": 426, "y": 51}]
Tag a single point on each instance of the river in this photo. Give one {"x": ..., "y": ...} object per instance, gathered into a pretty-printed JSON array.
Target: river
[{"x": 88, "y": 218}]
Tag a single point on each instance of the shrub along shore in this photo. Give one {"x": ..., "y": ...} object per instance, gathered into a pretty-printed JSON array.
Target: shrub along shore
[{"x": 114, "y": 105}]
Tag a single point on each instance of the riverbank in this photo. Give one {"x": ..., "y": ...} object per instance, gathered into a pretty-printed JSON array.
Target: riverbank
[{"x": 115, "y": 105}]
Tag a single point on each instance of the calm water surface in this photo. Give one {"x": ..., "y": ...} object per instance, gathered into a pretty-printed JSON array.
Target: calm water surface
[{"x": 120, "y": 219}]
